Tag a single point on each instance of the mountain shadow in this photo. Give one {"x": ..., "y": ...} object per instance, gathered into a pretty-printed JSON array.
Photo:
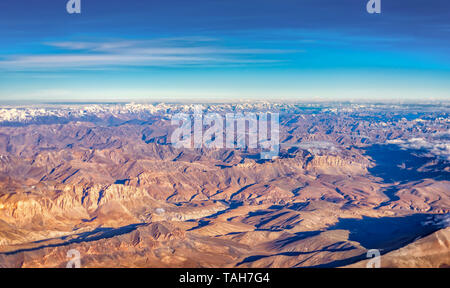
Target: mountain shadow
[
  {"x": 386, "y": 233},
  {"x": 394, "y": 164}
]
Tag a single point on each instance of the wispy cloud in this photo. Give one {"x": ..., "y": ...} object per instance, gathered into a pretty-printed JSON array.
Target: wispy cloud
[{"x": 156, "y": 52}]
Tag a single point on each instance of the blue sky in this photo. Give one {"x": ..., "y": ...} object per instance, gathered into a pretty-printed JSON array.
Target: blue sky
[{"x": 215, "y": 49}]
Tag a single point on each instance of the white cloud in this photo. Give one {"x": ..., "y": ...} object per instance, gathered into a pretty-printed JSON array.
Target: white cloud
[
  {"x": 156, "y": 52},
  {"x": 441, "y": 221},
  {"x": 438, "y": 145}
]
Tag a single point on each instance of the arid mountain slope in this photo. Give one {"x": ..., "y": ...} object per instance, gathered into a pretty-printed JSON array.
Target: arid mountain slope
[{"x": 346, "y": 180}]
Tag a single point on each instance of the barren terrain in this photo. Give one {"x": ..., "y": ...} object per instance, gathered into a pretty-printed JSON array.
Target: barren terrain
[{"x": 105, "y": 180}]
